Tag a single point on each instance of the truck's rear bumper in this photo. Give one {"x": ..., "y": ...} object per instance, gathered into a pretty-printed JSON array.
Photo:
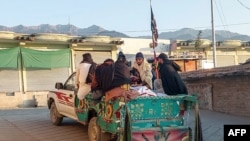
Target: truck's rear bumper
[{"x": 180, "y": 133}]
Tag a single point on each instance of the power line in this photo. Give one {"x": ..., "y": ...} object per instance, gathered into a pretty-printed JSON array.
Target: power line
[
  {"x": 224, "y": 18},
  {"x": 199, "y": 27},
  {"x": 217, "y": 8},
  {"x": 243, "y": 5}
]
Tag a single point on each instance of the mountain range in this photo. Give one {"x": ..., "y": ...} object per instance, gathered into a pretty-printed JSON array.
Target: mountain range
[{"x": 182, "y": 34}]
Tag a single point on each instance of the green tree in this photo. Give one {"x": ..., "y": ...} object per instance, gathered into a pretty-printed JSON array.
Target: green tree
[{"x": 198, "y": 42}]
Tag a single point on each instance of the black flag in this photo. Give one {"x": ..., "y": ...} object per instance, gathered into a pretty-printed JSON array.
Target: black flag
[{"x": 154, "y": 28}]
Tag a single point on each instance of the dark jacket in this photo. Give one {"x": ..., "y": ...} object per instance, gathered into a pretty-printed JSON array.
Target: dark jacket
[
  {"x": 171, "y": 80},
  {"x": 121, "y": 74}
]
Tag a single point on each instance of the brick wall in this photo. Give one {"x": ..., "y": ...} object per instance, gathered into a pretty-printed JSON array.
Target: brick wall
[{"x": 222, "y": 91}]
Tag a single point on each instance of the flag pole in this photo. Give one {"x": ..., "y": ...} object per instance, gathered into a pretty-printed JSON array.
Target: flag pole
[
  {"x": 154, "y": 31},
  {"x": 154, "y": 52},
  {"x": 154, "y": 37}
]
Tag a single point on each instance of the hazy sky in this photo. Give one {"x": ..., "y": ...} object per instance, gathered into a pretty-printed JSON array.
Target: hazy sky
[{"x": 131, "y": 17}]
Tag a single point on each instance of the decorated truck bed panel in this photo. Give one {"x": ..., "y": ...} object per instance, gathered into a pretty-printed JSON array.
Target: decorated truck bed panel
[
  {"x": 157, "y": 118},
  {"x": 157, "y": 111},
  {"x": 160, "y": 107}
]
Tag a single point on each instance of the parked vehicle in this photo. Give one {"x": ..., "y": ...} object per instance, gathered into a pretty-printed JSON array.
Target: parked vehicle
[{"x": 151, "y": 118}]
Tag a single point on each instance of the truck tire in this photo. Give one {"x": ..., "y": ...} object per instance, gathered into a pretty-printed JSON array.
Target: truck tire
[
  {"x": 95, "y": 133},
  {"x": 127, "y": 128},
  {"x": 190, "y": 134},
  {"x": 55, "y": 117},
  {"x": 94, "y": 130}
]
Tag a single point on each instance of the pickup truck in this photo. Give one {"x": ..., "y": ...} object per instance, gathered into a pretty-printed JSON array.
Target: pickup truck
[{"x": 145, "y": 118}]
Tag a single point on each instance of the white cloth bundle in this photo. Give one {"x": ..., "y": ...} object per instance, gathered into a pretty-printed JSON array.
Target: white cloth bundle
[{"x": 144, "y": 91}]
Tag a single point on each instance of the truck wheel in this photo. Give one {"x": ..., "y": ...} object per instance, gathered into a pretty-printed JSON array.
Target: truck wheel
[
  {"x": 55, "y": 117},
  {"x": 190, "y": 134},
  {"x": 94, "y": 130}
]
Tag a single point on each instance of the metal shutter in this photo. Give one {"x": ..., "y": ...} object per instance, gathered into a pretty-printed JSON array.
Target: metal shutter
[
  {"x": 45, "y": 79},
  {"x": 9, "y": 81}
]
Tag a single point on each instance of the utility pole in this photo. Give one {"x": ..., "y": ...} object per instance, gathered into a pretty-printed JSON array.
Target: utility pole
[{"x": 213, "y": 35}]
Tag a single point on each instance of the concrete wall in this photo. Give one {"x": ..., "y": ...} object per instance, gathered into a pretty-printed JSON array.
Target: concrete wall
[{"x": 23, "y": 99}]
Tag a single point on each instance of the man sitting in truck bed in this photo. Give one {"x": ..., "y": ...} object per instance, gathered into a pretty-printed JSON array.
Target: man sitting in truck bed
[
  {"x": 102, "y": 79},
  {"x": 121, "y": 73},
  {"x": 120, "y": 85}
]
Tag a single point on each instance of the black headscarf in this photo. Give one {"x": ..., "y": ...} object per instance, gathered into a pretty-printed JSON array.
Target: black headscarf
[
  {"x": 165, "y": 59},
  {"x": 121, "y": 72},
  {"x": 104, "y": 74},
  {"x": 163, "y": 56},
  {"x": 87, "y": 58},
  {"x": 122, "y": 58},
  {"x": 139, "y": 55}
]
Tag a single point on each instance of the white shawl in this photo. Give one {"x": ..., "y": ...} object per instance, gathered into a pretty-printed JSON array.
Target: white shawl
[{"x": 145, "y": 72}]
